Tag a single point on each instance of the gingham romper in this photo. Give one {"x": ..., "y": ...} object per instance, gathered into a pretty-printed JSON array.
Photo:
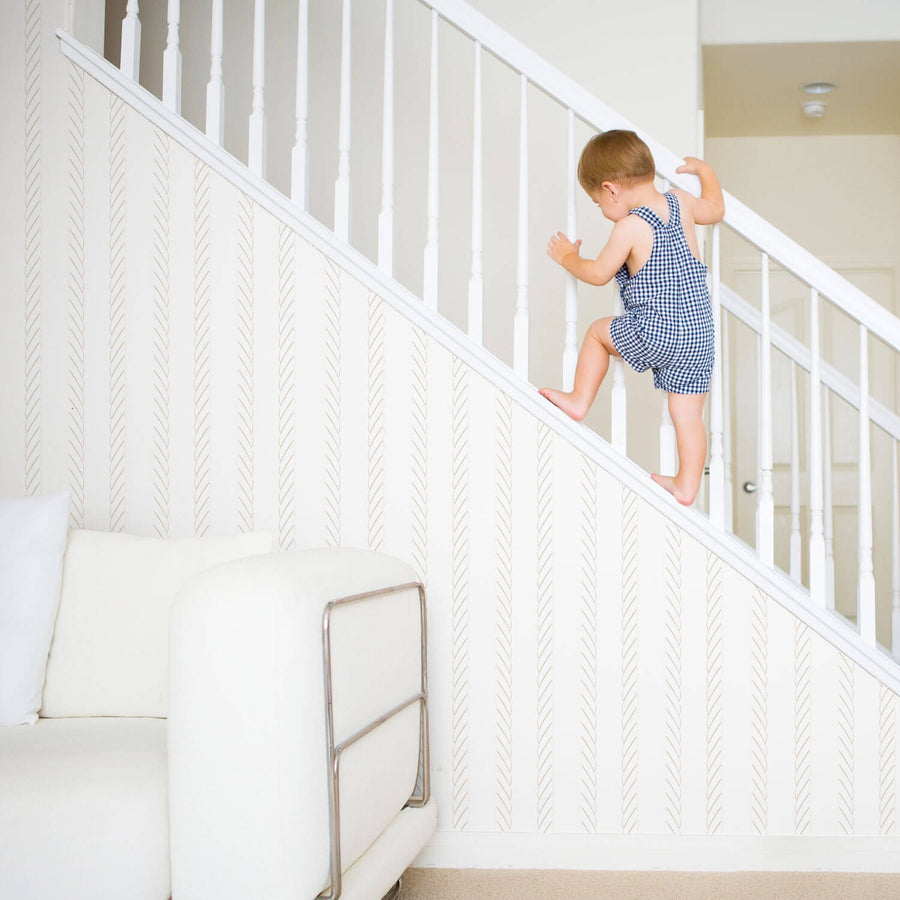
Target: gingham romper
[{"x": 667, "y": 324}]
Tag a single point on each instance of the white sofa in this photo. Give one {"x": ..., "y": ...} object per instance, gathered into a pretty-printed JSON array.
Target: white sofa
[{"x": 228, "y": 797}]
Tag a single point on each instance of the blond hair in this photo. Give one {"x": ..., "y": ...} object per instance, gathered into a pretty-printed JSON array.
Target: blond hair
[{"x": 617, "y": 156}]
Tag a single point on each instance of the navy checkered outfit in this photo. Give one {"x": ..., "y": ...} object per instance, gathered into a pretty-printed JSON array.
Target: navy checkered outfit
[{"x": 667, "y": 325}]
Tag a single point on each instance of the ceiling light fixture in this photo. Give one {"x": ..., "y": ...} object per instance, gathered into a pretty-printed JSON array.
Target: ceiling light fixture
[
  {"x": 814, "y": 109},
  {"x": 819, "y": 87}
]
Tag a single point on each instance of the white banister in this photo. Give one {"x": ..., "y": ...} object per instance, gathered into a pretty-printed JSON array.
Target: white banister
[
  {"x": 300, "y": 151},
  {"x": 215, "y": 90},
  {"x": 570, "y": 351},
  {"x": 171, "y": 88},
  {"x": 766, "y": 507},
  {"x": 716, "y": 450},
  {"x": 342, "y": 184},
  {"x": 476, "y": 281},
  {"x": 618, "y": 400},
  {"x": 386, "y": 214},
  {"x": 818, "y": 587},
  {"x": 796, "y": 546},
  {"x": 866, "y": 584},
  {"x": 726, "y": 422},
  {"x": 520, "y": 336},
  {"x": 256, "y": 155},
  {"x": 130, "y": 59},
  {"x": 895, "y": 554},
  {"x": 430, "y": 286},
  {"x": 668, "y": 449},
  {"x": 828, "y": 520}
]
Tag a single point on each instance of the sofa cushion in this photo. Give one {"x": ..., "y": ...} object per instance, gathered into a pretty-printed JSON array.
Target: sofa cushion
[
  {"x": 109, "y": 655},
  {"x": 83, "y": 810},
  {"x": 32, "y": 544}
]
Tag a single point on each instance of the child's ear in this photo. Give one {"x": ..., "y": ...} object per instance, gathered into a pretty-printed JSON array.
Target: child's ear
[{"x": 611, "y": 188}]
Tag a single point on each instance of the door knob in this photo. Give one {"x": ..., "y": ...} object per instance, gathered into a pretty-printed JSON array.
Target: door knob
[{"x": 750, "y": 487}]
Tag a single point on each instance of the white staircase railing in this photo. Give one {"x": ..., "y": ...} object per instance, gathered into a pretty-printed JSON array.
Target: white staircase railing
[{"x": 810, "y": 505}]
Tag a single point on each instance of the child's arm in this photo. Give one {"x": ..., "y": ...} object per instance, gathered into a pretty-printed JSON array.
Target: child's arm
[
  {"x": 709, "y": 207},
  {"x": 600, "y": 270}
]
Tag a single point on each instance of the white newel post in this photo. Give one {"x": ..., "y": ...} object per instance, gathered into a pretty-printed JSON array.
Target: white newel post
[
  {"x": 130, "y": 59},
  {"x": 171, "y": 89},
  {"x": 520, "y": 336},
  {"x": 766, "y": 507},
  {"x": 818, "y": 582},
  {"x": 716, "y": 454},
  {"x": 386, "y": 215},
  {"x": 342, "y": 184},
  {"x": 256, "y": 156},
  {"x": 828, "y": 517},
  {"x": 300, "y": 152},
  {"x": 215, "y": 90},
  {"x": 476, "y": 280},
  {"x": 895, "y": 553},
  {"x": 866, "y": 586},
  {"x": 430, "y": 286},
  {"x": 570, "y": 351},
  {"x": 796, "y": 545}
]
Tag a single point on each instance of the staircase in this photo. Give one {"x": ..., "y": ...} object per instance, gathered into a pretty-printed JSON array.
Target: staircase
[{"x": 699, "y": 580}]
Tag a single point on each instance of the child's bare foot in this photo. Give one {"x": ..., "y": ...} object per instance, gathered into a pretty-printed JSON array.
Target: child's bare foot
[
  {"x": 567, "y": 402},
  {"x": 668, "y": 482}
]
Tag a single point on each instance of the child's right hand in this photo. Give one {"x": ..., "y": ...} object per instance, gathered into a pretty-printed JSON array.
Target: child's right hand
[{"x": 560, "y": 247}]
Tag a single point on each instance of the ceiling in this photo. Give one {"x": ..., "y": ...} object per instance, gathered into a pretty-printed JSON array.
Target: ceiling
[{"x": 755, "y": 90}]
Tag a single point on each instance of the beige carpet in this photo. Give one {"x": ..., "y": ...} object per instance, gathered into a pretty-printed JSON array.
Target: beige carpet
[{"x": 518, "y": 884}]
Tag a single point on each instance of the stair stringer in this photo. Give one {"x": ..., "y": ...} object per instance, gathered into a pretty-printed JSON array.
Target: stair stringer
[{"x": 602, "y": 661}]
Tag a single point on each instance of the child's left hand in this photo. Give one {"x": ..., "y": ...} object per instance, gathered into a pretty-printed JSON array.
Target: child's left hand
[{"x": 560, "y": 247}]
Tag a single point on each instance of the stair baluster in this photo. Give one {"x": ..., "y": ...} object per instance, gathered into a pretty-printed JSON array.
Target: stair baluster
[
  {"x": 668, "y": 453},
  {"x": 215, "y": 90},
  {"x": 829, "y": 507},
  {"x": 895, "y": 553},
  {"x": 520, "y": 338},
  {"x": 766, "y": 507},
  {"x": 430, "y": 286},
  {"x": 716, "y": 458},
  {"x": 171, "y": 90},
  {"x": 342, "y": 185},
  {"x": 130, "y": 59},
  {"x": 796, "y": 546},
  {"x": 618, "y": 401},
  {"x": 256, "y": 157},
  {"x": 818, "y": 586},
  {"x": 386, "y": 215},
  {"x": 300, "y": 152},
  {"x": 476, "y": 281},
  {"x": 866, "y": 585},
  {"x": 724, "y": 349},
  {"x": 570, "y": 352}
]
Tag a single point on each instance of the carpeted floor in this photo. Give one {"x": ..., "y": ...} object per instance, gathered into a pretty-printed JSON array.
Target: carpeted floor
[{"x": 542, "y": 884}]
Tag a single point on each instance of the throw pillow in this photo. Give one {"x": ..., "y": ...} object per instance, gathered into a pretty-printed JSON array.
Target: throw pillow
[{"x": 32, "y": 546}]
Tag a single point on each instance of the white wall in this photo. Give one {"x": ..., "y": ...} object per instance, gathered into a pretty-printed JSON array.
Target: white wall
[
  {"x": 799, "y": 21},
  {"x": 603, "y": 688}
]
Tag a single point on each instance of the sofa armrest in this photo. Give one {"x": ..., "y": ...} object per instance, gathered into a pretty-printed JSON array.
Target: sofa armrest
[{"x": 248, "y": 757}]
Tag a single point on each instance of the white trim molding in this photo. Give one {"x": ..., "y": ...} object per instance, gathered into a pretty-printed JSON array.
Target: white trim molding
[{"x": 676, "y": 853}]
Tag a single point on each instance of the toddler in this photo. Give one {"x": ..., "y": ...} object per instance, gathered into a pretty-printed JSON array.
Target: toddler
[{"x": 667, "y": 325}]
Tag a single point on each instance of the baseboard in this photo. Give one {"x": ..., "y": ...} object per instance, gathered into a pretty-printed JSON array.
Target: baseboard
[{"x": 649, "y": 852}]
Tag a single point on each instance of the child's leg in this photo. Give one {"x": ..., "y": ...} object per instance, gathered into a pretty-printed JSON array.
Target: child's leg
[
  {"x": 593, "y": 363},
  {"x": 686, "y": 411}
]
